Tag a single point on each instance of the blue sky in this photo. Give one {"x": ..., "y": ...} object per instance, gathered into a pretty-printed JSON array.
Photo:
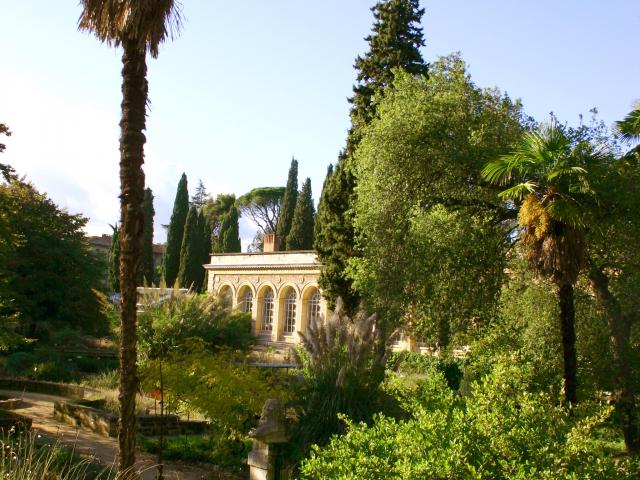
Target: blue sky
[{"x": 249, "y": 84}]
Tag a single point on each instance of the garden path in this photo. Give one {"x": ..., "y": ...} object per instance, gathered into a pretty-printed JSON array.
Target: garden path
[{"x": 39, "y": 407}]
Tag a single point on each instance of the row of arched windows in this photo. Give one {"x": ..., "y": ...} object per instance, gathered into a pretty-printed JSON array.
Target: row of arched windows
[{"x": 266, "y": 308}]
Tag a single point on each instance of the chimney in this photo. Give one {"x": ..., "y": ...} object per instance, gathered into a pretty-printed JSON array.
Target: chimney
[{"x": 271, "y": 243}]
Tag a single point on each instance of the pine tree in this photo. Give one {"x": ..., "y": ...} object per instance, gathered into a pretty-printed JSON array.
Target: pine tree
[
  {"x": 229, "y": 236},
  {"x": 114, "y": 260},
  {"x": 191, "y": 252},
  {"x": 148, "y": 268},
  {"x": 171, "y": 261},
  {"x": 301, "y": 234},
  {"x": 288, "y": 205},
  {"x": 200, "y": 197},
  {"x": 395, "y": 42}
]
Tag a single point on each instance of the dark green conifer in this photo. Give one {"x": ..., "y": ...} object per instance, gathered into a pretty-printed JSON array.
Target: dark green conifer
[
  {"x": 147, "y": 275},
  {"x": 191, "y": 252},
  {"x": 288, "y": 205},
  {"x": 205, "y": 244},
  {"x": 395, "y": 42},
  {"x": 171, "y": 261},
  {"x": 114, "y": 260},
  {"x": 301, "y": 234},
  {"x": 229, "y": 236}
]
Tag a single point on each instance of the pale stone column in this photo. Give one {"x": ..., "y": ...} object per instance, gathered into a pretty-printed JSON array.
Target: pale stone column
[
  {"x": 254, "y": 315},
  {"x": 300, "y": 313},
  {"x": 276, "y": 332}
]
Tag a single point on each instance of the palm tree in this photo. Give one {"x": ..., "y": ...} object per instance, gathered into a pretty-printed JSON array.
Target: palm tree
[
  {"x": 139, "y": 26},
  {"x": 550, "y": 188},
  {"x": 629, "y": 127}
]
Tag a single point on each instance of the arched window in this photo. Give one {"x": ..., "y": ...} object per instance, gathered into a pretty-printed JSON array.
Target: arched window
[
  {"x": 290, "y": 302},
  {"x": 267, "y": 311},
  {"x": 226, "y": 297},
  {"x": 314, "y": 309},
  {"x": 246, "y": 301}
]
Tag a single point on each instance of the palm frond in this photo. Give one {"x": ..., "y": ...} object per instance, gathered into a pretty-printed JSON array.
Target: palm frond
[
  {"x": 519, "y": 191},
  {"x": 147, "y": 22},
  {"x": 629, "y": 127}
]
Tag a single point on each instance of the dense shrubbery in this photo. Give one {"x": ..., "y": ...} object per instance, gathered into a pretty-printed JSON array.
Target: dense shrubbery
[
  {"x": 56, "y": 366},
  {"x": 198, "y": 448},
  {"x": 498, "y": 431},
  {"x": 415, "y": 363}
]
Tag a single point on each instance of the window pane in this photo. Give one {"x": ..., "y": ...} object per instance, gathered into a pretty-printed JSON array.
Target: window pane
[{"x": 290, "y": 312}]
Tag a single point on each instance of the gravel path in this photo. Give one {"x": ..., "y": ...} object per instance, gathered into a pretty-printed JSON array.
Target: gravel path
[{"x": 39, "y": 407}]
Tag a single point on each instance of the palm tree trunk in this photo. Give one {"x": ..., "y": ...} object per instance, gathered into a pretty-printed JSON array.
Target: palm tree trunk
[
  {"x": 620, "y": 335},
  {"x": 568, "y": 330},
  {"x": 132, "y": 124}
]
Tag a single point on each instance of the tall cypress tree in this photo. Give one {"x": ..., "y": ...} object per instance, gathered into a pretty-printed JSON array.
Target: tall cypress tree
[
  {"x": 301, "y": 234},
  {"x": 395, "y": 42},
  {"x": 148, "y": 269},
  {"x": 288, "y": 205},
  {"x": 114, "y": 260},
  {"x": 205, "y": 243},
  {"x": 229, "y": 236},
  {"x": 191, "y": 252},
  {"x": 171, "y": 261}
]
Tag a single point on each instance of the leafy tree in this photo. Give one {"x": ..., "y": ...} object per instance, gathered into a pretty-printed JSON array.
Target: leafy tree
[
  {"x": 229, "y": 238},
  {"x": 139, "y": 27},
  {"x": 262, "y": 206},
  {"x": 49, "y": 274},
  {"x": 301, "y": 233},
  {"x": 171, "y": 260},
  {"x": 551, "y": 187},
  {"x": 200, "y": 197},
  {"x": 394, "y": 43},
  {"x": 189, "y": 275},
  {"x": 288, "y": 206},
  {"x": 613, "y": 269},
  {"x": 148, "y": 267},
  {"x": 114, "y": 260},
  {"x": 429, "y": 229},
  {"x": 5, "y": 170}
]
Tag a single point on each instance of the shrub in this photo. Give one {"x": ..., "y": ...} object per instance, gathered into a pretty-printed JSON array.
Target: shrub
[
  {"x": 415, "y": 363},
  {"x": 343, "y": 367},
  {"x": 498, "y": 431}
]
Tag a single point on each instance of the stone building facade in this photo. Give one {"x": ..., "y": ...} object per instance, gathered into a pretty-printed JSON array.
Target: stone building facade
[{"x": 280, "y": 289}]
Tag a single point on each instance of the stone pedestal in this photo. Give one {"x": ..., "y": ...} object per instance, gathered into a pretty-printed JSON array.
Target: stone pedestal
[{"x": 270, "y": 433}]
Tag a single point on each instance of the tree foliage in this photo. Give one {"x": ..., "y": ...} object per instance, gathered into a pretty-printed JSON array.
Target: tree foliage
[
  {"x": 301, "y": 233},
  {"x": 229, "y": 237},
  {"x": 262, "y": 206},
  {"x": 420, "y": 194},
  {"x": 394, "y": 43},
  {"x": 288, "y": 206},
  {"x": 48, "y": 269},
  {"x": 214, "y": 211},
  {"x": 171, "y": 260},
  {"x": 200, "y": 197}
]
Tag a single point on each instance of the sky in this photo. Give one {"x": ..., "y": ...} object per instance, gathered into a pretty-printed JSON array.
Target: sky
[{"x": 247, "y": 85}]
